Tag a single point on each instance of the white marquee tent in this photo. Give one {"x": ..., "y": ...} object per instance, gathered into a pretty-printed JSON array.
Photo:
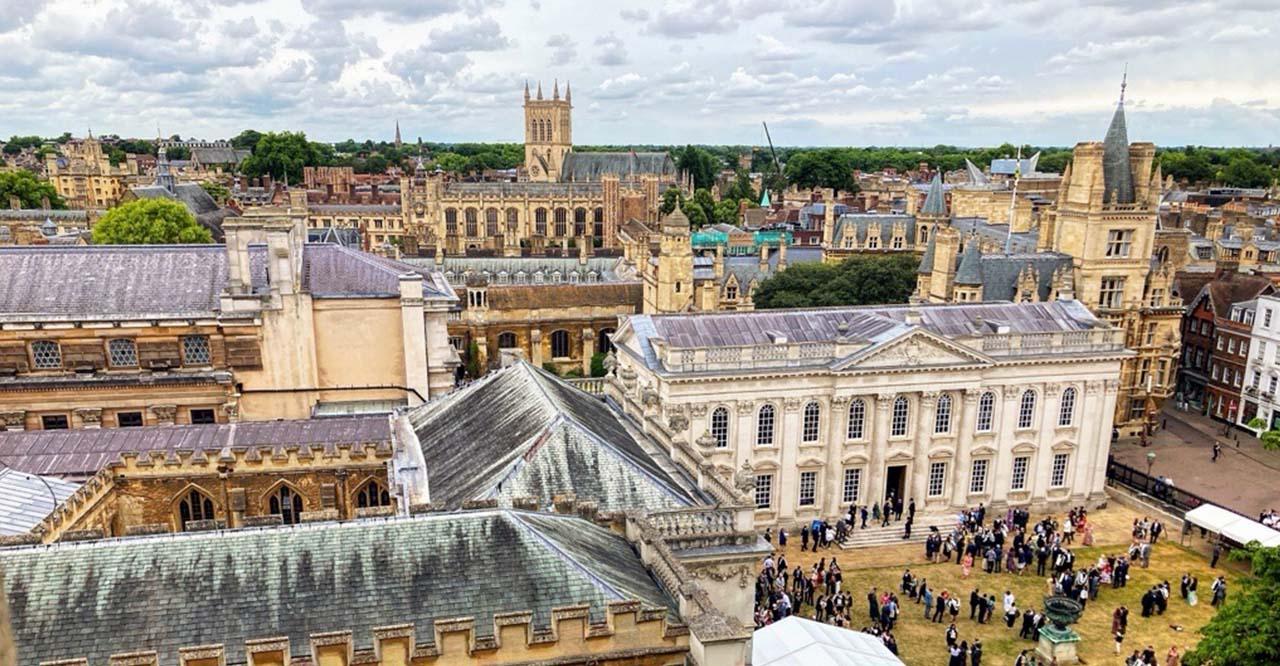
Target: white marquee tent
[
  {"x": 1231, "y": 525},
  {"x": 795, "y": 641}
]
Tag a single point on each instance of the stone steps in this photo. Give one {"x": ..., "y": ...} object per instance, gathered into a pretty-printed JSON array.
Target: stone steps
[{"x": 892, "y": 535}]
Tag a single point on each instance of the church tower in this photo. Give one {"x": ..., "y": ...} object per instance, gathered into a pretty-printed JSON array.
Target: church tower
[
  {"x": 668, "y": 285},
  {"x": 548, "y": 132}
]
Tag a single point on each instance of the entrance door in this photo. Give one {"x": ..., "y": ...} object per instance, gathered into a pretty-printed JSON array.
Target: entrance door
[{"x": 894, "y": 480}]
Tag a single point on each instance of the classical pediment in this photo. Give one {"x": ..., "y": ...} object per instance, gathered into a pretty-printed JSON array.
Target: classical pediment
[{"x": 914, "y": 348}]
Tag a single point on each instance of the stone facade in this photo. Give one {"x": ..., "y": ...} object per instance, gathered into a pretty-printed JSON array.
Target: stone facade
[
  {"x": 827, "y": 415},
  {"x": 84, "y": 178}
]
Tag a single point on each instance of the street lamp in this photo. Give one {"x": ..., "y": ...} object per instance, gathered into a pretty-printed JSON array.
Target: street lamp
[{"x": 1151, "y": 460}]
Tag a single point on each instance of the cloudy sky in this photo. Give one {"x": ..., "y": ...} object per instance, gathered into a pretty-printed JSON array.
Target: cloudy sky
[{"x": 820, "y": 72}]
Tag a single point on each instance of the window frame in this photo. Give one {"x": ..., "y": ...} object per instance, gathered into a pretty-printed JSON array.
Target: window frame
[
  {"x": 979, "y": 474},
  {"x": 131, "y": 349},
  {"x": 851, "y": 480},
  {"x": 50, "y": 350},
  {"x": 900, "y": 419},
  {"x": 560, "y": 334},
  {"x": 942, "y": 415},
  {"x": 858, "y": 408},
  {"x": 1027, "y": 410},
  {"x": 1067, "y": 407},
  {"x": 769, "y": 426},
  {"x": 135, "y": 418},
  {"x": 1059, "y": 470},
  {"x": 719, "y": 427},
  {"x": 811, "y": 423},
  {"x": 807, "y": 489},
  {"x": 764, "y": 483},
  {"x": 1018, "y": 478},
  {"x": 186, "y": 342},
  {"x": 937, "y": 479},
  {"x": 986, "y": 412}
]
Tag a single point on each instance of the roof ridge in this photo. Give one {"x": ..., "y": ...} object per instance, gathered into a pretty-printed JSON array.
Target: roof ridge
[{"x": 564, "y": 555}]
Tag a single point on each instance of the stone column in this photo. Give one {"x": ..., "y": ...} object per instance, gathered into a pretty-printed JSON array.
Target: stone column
[
  {"x": 1095, "y": 441},
  {"x": 588, "y": 348},
  {"x": 968, "y": 419},
  {"x": 787, "y": 439},
  {"x": 413, "y": 338},
  {"x": 879, "y": 445},
  {"x": 90, "y": 417},
  {"x": 535, "y": 347},
  {"x": 920, "y": 450},
  {"x": 743, "y": 435},
  {"x": 833, "y": 439}
]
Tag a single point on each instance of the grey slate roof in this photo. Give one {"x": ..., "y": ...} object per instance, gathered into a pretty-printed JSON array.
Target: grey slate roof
[
  {"x": 970, "y": 270},
  {"x": 935, "y": 202},
  {"x": 591, "y": 167},
  {"x": 25, "y": 499},
  {"x": 227, "y": 155},
  {"x": 1020, "y": 242},
  {"x": 1117, "y": 176},
  {"x": 520, "y": 432},
  {"x": 344, "y": 236},
  {"x": 976, "y": 177},
  {"x": 81, "y": 453},
  {"x": 1000, "y": 273},
  {"x": 354, "y": 209},
  {"x": 860, "y": 224},
  {"x": 1007, "y": 165},
  {"x": 108, "y": 281},
  {"x": 42, "y": 214},
  {"x": 161, "y": 593},
  {"x": 930, "y": 251},
  {"x": 855, "y": 324},
  {"x": 206, "y": 211}
]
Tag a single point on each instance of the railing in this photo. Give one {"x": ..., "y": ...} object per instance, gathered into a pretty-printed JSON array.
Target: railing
[
  {"x": 592, "y": 385},
  {"x": 1121, "y": 474},
  {"x": 693, "y": 522}
]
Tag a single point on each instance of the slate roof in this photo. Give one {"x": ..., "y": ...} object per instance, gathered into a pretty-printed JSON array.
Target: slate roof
[
  {"x": 81, "y": 453},
  {"x": 25, "y": 499},
  {"x": 520, "y": 432},
  {"x": 854, "y": 324},
  {"x": 930, "y": 251},
  {"x": 344, "y": 236},
  {"x": 42, "y": 214},
  {"x": 935, "y": 202},
  {"x": 555, "y": 296},
  {"x": 206, "y": 211},
  {"x": 139, "y": 281},
  {"x": 219, "y": 155},
  {"x": 1117, "y": 176},
  {"x": 976, "y": 177},
  {"x": 860, "y": 224},
  {"x": 1020, "y": 242},
  {"x": 161, "y": 593},
  {"x": 969, "y": 272},
  {"x": 1000, "y": 273},
  {"x": 1007, "y": 165},
  {"x": 354, "y": 209},
  {"x": 591, "y": 167}
]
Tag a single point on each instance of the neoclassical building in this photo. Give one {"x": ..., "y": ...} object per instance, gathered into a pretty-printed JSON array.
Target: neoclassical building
[
  {"x": 949, "y": 405},
  {"x": 564, "y": 199}
]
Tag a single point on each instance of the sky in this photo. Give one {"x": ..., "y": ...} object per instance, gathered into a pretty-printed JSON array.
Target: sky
[{"x": 819, "y": 72}]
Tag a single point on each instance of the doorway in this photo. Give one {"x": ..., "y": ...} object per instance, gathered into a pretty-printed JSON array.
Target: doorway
[{"x": 894, "y": 481}]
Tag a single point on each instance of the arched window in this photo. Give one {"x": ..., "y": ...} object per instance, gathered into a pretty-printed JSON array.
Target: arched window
[
  {"x": 491, "y": 222},
  {"x": 287, "y": 504},
  {"x": 720, "y": 427},
  {"x": 812, "y": 421},
  {"x": 472, "y": 217},
  {"x": 560, "y": 344},
  {"x": 579, "y": 221},
  {"x": 857, "y": 419},
  {"x": 562, "y": 221},
  {"x": 513, "y": 219},
  {"x": 540, "y": 221},
  {"x": 597, "y": 223},
  {"x": 1067, "y": 408},
  {"x": 924, "y": 236},
  {"x": 942, "y": 417},
  {"x": 1027, "y": 410},
  {"x": 604, "y": 340},
  {"x": 901, "y": 417},
  {"x": 506, "y": 340},
  {"x": 451, "y": 221},
  {"x": 764, "y": 426},
  {"x": 195, "y": 505},
  {"x": 986, "y": 408},
  {"x": 372, "y": 494}
]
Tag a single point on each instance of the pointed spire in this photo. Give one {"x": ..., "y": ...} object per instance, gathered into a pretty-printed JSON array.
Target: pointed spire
[
  {"x": 526, "y": 90},
  {"x": 397, "y": 132},
  {"x": 555, "y": 89},
  {"x": 539, "y": 90},
  {"x": 1124, "y": 82},
  {"x": 935, "y": 202},
  {"x": 568, "y": 94},
  {"x": 976, "y": 177},
  {"x": 926, "y": 262},
  {"x": 969, "y": 273},
  {"x": 1117, "y": 176}
]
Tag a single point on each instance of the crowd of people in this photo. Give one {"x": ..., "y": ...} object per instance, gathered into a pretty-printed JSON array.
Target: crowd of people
[{"x": 1004, "y": 544}]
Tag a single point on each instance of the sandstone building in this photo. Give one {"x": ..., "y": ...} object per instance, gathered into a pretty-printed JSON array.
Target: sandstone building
[
  {"x": 83, "y": 175},
  {"x": 950, "y": 405},
  {"x": 566, "y": 198}
]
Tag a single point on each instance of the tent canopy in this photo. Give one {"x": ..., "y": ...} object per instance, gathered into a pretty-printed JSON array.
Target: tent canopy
[
  {"x": 795, "y": 641},
  {"x": 1232, "y": 525}
]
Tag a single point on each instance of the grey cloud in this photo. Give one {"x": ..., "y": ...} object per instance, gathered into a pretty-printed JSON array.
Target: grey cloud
[
  {"x": 638, "y": 15},
  {"x": 610, "y": 52},
  {"x": 563, "y": 49},
  {"x": 424, "y": 63},
  {"x": 482, "y": 34},
  {"x": 684, "y": 19},
  {"x": 16, "y": 13},
  {"x": 399, "y": 9}
]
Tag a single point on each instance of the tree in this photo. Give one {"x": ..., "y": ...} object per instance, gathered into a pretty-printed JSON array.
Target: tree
[
  {"x": 218, "y": 191},
  {"x": 177, "y": 153},
  {"x": 698, "y": 163},
  {"x": 31, "y": 191},
  {"x": 1270, "y": 438},
  {"x": 858, "y": 280},
  {"x": 474, "y": 369},
  {"x": 247, "y": 139},
  {"x": 597, "y": 364},
  {"x": 828, "y": 168},
  {"x": 1246, "y": 630},
  {"x": 670, "y": 199},
  {"x": 1244, "y": 172},
  {"x": 282, "y": 155},
  {"x": 726, "y": 212},
  {"x": 149, "y": 222},
  {"x": 740, "y": 188}
]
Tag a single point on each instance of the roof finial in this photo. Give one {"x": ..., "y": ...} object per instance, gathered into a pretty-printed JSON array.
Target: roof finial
[
  {"x": 1124, "y": 82},
  {"x": 539, "y": 89},
  {"x": 526, "y": 90},
  {"x": 555, "y": 88}
]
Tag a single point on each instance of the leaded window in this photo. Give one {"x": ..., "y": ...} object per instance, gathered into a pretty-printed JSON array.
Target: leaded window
[
  {"x": 46, "y": 355},
  {"x": 372, "y": 494},
  {"x": 195, "y": 350},
  {"x": 122, "y": 353},
  {"x": 194, "y": 506},
  {"x": 287, "y": 504}
]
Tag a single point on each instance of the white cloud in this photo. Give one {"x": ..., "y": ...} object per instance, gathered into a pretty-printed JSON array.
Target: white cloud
[
  {"x": 1240, "y": 33},
  {"x": 610, "y": 51},
  {"x": 563, "y": 49}
]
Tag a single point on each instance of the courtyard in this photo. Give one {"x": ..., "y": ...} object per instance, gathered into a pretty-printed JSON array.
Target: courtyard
[{"x": 922, "y": 643}]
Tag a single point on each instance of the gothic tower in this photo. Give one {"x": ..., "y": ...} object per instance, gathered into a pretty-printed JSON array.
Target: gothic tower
[
  {"x": 548, "y": 132},
  {"x": 668, "y": 286}
]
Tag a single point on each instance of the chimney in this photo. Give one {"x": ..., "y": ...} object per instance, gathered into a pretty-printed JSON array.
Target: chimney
[
  {"x": 373, "y": 192},
  {"x": 764, "y": 258},
  {"x": 266, "y": 182},
  {"x": 782, "y": 254},
  {"x": 44, "y": 203},
  {"x": 718, "y": 266}
]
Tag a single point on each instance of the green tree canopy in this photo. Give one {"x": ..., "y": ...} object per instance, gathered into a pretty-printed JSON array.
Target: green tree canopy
[
  {"x": 283, "y": 154},
  {"x": 1245, "y": 172},
  {"x": 828, "y": 167},
  {"x": 218, "y": 191},
  {"x": 15, "y": 144},
  {"x": 29, "y": 190},
  {"x": 1246, "y": 630},
  {"x": 247, "y": 139},
  {"x": 700, "y": 164},
  {"x": 858, "y": 280},
  {"x": 149, "y": 222}
]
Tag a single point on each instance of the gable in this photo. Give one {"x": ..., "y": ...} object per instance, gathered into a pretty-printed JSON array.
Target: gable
[{"x": 915, "y": 348}]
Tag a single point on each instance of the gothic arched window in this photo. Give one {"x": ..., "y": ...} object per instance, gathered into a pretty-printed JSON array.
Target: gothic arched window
[
  {"x": 579, "y": 222},
  {"x": 513, "y": 219},
  {"x": 372, "y": 494},
  {"x": 451, "y": 221},
  {"x": 597, "y": 220},
  {"x": 491, "y": 222},
  {"x": 472, "y": 217},
  {"x": 562, "y": 221},
  {"x": 194, "y": 506},
  {"x": 540, "y": 221},
  {"x": 287, "y": 504}
]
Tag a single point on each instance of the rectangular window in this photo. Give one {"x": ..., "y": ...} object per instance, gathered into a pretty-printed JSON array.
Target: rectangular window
[
  {"x": 195, "y": 350},
  {"x": 1231, "y": 346},
  {"x": 1111, "y": 293},
  {"x": 54, "y": 422},
  {"x": 1150, "y": 334},
  {"x": 1219, "y": 340},
  {"x": 122, "y": 353},
  {"x": 1018, "y": 480},
  {"x": 1266, "y": 317},
  {"x": 199, "y": 416},
  {"x": 852, "y": 485},
  {"x": 1271, "y": 385},
  {"x": 1244, "y": 347},
  {"x": 764, "y": 491},
  {"x": 937, "y": 478},
  {"x": 1058, "y": 477},
  {"x": 808, "y": 488},
  {"x": 978, "y": 477},
  {"x": 46, "y": 355},
  {"x": 1119, "y": 242},
  {"x": 1137, "y": 409},
  {"x": 129, "y": 419}
]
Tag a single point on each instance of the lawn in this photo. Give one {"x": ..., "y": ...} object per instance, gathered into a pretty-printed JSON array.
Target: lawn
[{"x": 922, "y": 643}]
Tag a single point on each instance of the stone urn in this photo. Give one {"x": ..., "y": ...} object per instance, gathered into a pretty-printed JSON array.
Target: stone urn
[{"x": 1057, "y": 639}]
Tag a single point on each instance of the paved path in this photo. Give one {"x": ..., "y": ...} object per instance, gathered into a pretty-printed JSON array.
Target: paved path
[{"x": 1246, "y": 477}]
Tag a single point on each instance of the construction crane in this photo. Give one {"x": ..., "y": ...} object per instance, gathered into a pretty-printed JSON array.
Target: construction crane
[{"x": 776, "y": 164}]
